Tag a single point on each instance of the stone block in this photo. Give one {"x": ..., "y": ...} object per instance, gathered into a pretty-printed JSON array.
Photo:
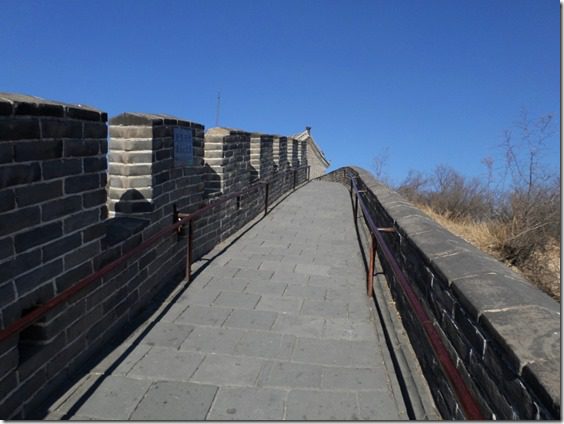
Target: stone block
[
  {"x": 83, "y": 254},
  {"x": 298, "y": 325},
  {"x": 213, "y": 340},
  {"x": 305, "y": 405},
  {"x": 237, "y": 300},
  {"x": 248, "y": 404},
  {"x": 61, "y": 168},
  {"x": 37, "y": 150},
  {"x": 293, "y": 375},
  {"x": 19, "y": 129},
  {"x": 60, "y": 128},
  {"x": 38, "y": 193},
  {"x": 6, "y": 152},
  {"x": 202, "y": 315},
  {"x": 60, "y": 207},
  {"x": 357, "y": 379},
  {"x": 80, "y": 148},
  {"x": 37, "y": 236},
  {"x": 166, "y": 363},
  {"x": 380, "y": 406},
  {"x": 280, "y": 304},
  {"x": 174, "y": 401},
  {"x": 228, "y": 370},
  {"x": 82, "y": 183},
  {"x": 12, "y": 175},
  {"x": 95, "y": 130},
  {"x": 322, "y": 308},
  {"x": 80, "y": 220},
  {"x": 520, "y": 342},
  {"x": 7, "y": 200},
  {"x": 252, "y": 320},
  {"x": 93, "y": 164},
  {"x": 264, "y": 344},
  {"x": 19, "y": 264},
  {"x": 115, "y": 399}
]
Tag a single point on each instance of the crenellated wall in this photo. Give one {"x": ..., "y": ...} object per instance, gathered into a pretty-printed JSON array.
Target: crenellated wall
[
  {"x": 69, "y": 208},
  {"x": 503, "y": 334}
]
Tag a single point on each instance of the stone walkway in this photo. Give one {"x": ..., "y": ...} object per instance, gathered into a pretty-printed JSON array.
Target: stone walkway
[{"x": 276, "y": 327}]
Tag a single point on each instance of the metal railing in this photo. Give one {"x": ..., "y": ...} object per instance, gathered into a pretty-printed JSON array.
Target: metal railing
[
  {"x": 466, "y": 399},
  {"x": 179, "y": 221}
]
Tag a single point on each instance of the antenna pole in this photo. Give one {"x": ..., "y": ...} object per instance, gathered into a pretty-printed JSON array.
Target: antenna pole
[{"x": 217, "y": 108}]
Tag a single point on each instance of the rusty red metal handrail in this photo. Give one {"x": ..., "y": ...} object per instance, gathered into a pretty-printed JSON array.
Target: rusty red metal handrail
[
  {"x": 465, "y": 397},
  {"x": 179, "y": 220}
]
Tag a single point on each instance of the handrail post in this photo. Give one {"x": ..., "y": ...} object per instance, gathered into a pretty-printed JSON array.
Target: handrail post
[
  {"x": 189, "y": 253},
  {"x": 308, "y": 172},
  {"x": 266, "y": 199},
  {"x": 295, "y": 175},
  {"x": 370, "y": 277}
]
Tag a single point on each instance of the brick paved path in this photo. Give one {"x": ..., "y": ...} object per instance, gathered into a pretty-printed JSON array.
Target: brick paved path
[{"x": 277, "y": 326}]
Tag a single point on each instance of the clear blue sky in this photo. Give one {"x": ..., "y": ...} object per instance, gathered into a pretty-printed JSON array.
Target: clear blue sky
[{"x": 432, "y": 81}]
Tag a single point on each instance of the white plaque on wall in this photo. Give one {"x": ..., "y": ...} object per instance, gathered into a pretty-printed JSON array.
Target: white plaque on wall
[{"x": 183, "y": 150}]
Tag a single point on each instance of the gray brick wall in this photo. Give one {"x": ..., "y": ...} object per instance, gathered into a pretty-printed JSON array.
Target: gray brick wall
[
  {"x": 227, "y": 156},
  {"x": 262, "y": 163},
  {"x": 280, "y": 153},
  {"x": 52, "y": 186},
  {"x": 292, "y": 153},
  {"x": 55, "y": 229},
  {"x": 503, "y": 333},
  {"x": 143, "y": 174}
]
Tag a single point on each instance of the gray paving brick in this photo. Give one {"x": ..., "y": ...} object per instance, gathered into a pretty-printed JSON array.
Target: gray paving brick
[
  {"x": 114, "y": 399},
  {"x": 293, "y": 375},
  {"x": 337, "y": 352},
  {"x": 195, "y": 296},
  {"x": 289, "y": 277},
  {"x": 172, "y": 313},
  {"x": 252, "y": 275},
  {"x": 313, "y": 269},
  {"x": 322, "y": 308},
  {"x": 237, "y": 300},
  {"x": 219, "y": 271},
  {"x": 264, "y": 344},
  {"x": 204, "y": 315},
  {"x": 170, "y": 401},
  {"x": 356, "y": 379},
  {"x": 253, "y": 320},
  {"x": 348, "y": 329},
  {"x": 167, "y": 334},
  {"x": 359, "y": 312},
  {"x": 162, "y": 363},
  {"x": 266, "y": 287},
  {"x": 244, "y": 263},
  {"x": 305, "y": 405},
  {"x": 279, "y": 304},
  {"x": 124, "y": 357},
  {"x": 346, "y": 295},
  {"x": 307, "y": 292},
  {"x": 228, "y": 370},
  {"x": 379, "y": 406},
  {"x": 299, "y": 325},
  {"x": 248, "y": 404},
  {"x": 231, "y": 284},
  {"x": 212, "y": 340},
  {"x": 270, "y": 265}
]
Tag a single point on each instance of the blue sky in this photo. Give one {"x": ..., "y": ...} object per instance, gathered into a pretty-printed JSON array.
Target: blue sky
[{"x": 430, "y": 82}]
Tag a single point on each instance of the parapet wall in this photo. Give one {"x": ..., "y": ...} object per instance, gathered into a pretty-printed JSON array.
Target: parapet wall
[
  {"x": 56, "y": 188},
  {"x": 502, "y": 333}
]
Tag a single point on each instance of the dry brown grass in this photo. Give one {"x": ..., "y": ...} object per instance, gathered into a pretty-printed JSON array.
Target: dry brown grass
[{"x": 542, "y": 269}]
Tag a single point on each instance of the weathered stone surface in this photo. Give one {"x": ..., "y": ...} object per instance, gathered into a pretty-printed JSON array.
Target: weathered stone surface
[
  {"x": 174, "y": 401},
  {"x": 248, "y": 404},
  {"x": 538, "y": 339}
]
